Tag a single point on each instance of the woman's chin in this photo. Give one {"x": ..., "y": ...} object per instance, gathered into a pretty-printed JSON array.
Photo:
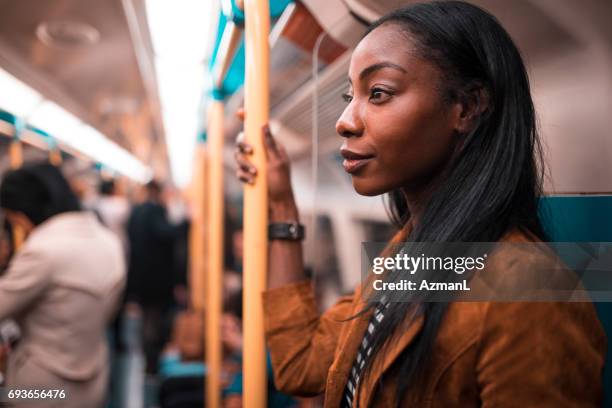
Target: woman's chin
[{"x": 367, "y": 187}]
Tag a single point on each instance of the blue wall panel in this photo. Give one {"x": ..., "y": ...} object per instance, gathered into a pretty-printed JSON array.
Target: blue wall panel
[{"x": 584, "y": 219}]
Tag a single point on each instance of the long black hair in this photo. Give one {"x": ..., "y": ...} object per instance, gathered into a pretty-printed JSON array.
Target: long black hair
[
  {"x": 38, "y": 190},
  {"x": 496, "y": 179}
]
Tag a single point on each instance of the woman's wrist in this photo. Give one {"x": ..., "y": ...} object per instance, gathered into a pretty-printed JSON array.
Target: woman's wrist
[{"x": 284, "y": 211}]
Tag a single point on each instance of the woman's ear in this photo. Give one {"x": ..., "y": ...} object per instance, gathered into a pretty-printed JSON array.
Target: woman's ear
[{"x": 473, "y": 102}]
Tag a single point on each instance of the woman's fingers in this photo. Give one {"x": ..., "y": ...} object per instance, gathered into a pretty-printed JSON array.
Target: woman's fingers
[
  {"x": 245, "y": 172},
  {"x": 244, "y": 147},
  {"x": 243, "y": 163},
  {"x": 240, "y": 154},
  {"x": 270, "y": 146},
  {"x": 276, "y": 156},
  {"x": 245, "y": 177},
  {"x": 242, "y": 144}
]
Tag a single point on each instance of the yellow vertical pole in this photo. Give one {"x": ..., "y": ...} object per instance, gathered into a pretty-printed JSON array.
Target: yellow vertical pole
[
  {"x": 197, "y": 233},
  {"x": 215, "y": 254},
  {"x": 55, "y": 156},
  {"x": 16, "y": 160},
  {"x": 197, "y": 244},
  {"x": 256, "y": 91},
  {"x": 15, "y": 153}
]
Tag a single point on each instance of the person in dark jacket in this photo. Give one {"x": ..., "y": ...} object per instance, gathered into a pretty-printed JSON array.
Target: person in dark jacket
[{"x": 151, "y": 274}]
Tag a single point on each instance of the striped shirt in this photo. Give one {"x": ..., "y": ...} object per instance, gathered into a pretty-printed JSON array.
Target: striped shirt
[{"x": 365, "y": 349}]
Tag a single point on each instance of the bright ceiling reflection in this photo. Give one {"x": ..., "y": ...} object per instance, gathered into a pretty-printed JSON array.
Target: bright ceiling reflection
[{"x": 181, "y": 33}]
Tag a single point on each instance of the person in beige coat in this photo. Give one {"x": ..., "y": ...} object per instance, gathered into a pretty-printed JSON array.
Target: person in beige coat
[{"x": 62, "y": 286}]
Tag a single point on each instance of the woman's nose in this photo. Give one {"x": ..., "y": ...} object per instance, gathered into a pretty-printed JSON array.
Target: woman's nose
[{"x": 349, "y": 124}]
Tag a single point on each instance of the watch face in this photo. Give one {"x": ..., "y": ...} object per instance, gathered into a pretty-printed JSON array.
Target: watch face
[{"x": 293, "y": 230}]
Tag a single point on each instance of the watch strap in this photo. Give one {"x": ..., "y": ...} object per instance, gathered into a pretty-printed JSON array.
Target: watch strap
[{"x": 289, "y": 231}]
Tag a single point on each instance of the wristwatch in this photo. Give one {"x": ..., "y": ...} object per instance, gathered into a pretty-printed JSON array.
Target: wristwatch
[{"x": 289, "y": 231}]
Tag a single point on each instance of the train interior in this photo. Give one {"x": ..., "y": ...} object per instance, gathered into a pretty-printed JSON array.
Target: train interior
[{"x": 120, "y": 89}]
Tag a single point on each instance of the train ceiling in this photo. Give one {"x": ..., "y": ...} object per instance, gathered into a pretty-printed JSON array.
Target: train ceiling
[{"x": 81, "y": 55}]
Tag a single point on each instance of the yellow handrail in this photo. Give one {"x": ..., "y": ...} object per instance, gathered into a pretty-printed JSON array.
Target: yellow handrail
[
  {"x": 215, "y": 255},
  {"x": 227, "y": 50},
  {"x": 55, "y": 156},
  {"x": 16, "y": 160},
  {"x": 256, "y": 91},
  {"x": 197, "y": 234},
  {"x": 15, "y": 154},
  {"x": 197, "y": 237}
]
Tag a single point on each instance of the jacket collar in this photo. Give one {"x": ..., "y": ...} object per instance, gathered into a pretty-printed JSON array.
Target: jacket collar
[
  {"x": 352, "y": 341},
  {"x": 390, "y": 354}
]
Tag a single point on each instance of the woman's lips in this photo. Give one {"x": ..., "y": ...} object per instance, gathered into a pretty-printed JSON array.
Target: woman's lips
[
  {"x": 354, "y": 165},
  {"x": 354, "y": 161}
]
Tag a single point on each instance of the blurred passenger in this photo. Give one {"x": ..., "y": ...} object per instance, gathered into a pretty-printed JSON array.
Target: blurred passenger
[
  {"x": 82, "y": 178},
  {"x": 237, "y": 249},
  {"x": 6, "y": 245},
  {"x": 61, "y": 287},
  {"x": 113, "y": 209},
  {"x": 182, "y": 364},
  {"x": 232, "y": 283},
  {"x": 152, "y": 281},
  {"x": 178, "y": 214},
  {"x": 9, "y": 331}
]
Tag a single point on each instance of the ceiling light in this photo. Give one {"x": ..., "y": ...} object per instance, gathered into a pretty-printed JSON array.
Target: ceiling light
[
  {"x": 67, "y": 34},
  {"x": 182, "y": 36},
  {"x": 70, "y": 131},
  {"x": 16, "y": 97}
]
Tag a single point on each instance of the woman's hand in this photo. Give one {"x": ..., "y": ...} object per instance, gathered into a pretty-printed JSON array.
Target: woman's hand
[
  {"x": 280, "y": 193},
  {"x": 286, "y": 264}
]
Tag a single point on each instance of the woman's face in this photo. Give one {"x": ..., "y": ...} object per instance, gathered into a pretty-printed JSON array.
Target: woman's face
[{"x": 399, "y": 133}]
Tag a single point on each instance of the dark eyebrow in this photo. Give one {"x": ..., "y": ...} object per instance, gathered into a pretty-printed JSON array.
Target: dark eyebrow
[{"x": 375, "y": 67}]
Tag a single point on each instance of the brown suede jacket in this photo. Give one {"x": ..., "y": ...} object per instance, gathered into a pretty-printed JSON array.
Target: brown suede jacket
[{"x": 487, "y": 354}]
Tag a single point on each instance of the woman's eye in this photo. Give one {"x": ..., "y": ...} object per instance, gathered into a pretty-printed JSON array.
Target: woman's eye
[
  {"x": 379, "y": 95},
  {"x": 347, "y": 97}
]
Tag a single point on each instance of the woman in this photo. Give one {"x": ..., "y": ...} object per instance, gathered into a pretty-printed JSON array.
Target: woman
[
  {"x": 61, "y": 287},
  {"x": 440, "y": 117}
]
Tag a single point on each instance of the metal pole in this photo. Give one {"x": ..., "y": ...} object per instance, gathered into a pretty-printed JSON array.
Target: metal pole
[
  {"x": 215, "y": 254},
  {"x": 257, "y": 28}
]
